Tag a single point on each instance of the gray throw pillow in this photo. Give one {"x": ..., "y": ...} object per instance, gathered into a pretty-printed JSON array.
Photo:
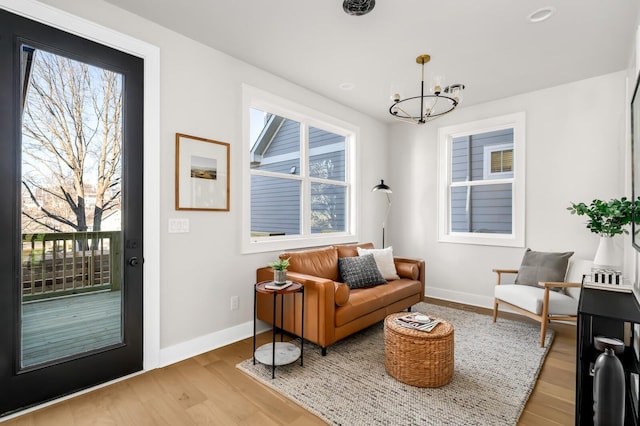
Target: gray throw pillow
[
  {"x": 360, "y": 271},
  {"x": 542, "y": 266}
]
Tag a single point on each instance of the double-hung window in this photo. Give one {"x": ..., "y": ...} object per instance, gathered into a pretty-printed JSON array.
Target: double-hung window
[
  {"x": 300, "y": 178},
  {"x": 481, "y": 182}
]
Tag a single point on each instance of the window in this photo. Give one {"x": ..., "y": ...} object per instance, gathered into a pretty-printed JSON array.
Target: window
[
  {"x": 498, "y": 160},
  {"x": 481, "y": 182},
  {"x": 299, "y": 173}
]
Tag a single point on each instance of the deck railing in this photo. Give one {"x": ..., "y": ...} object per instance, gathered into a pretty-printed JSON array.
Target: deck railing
[{"x": 56, "y": 264}]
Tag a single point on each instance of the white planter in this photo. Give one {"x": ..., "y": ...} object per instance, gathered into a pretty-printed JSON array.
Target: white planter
[{"x": 608, "y": 254}]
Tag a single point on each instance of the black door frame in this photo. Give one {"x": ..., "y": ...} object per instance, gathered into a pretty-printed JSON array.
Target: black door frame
[{"x": 22, "y": 388}]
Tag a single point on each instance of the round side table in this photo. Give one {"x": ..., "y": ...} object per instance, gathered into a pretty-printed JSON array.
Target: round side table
[{"x": 277, "y": 353}]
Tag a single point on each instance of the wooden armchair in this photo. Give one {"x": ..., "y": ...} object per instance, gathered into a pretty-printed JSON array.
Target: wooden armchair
[{"x": 541, "y": 303}]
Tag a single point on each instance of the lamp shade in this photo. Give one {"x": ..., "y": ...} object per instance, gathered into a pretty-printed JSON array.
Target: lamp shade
[{"x": 382, "y": 187}]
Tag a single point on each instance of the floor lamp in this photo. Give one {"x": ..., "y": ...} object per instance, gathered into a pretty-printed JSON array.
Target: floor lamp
[{"x": 382, "y": 187}]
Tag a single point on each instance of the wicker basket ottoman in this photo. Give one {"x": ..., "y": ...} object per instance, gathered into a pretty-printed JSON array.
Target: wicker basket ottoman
[{"x": 416, "y": 357}]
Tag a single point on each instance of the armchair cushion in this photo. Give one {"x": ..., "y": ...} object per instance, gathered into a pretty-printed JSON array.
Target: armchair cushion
[
  {"x": 539, "y": 266},
  {"x": 531, "y": 299},
  {"x": 384, "y": 261},
  {"x": 360, "y": 271}
]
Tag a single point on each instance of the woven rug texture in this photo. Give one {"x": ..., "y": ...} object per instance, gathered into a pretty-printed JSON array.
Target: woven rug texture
[{"x": 496, "y": 366}]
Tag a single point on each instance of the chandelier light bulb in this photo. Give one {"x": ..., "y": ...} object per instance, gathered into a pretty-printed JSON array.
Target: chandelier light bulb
[
  {"x": 438, "y": 82},
  {"x": 395, "y": 97}
]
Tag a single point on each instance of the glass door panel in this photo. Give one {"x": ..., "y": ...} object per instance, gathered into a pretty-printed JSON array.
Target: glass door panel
[{"x": 71, "y": 208}]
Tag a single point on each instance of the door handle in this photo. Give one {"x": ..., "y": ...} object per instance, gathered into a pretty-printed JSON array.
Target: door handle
[{"x": 133, "y": 261}]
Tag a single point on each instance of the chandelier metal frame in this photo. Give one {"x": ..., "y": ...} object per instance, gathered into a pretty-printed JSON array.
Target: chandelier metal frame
[{"x": 430, "y": 104}]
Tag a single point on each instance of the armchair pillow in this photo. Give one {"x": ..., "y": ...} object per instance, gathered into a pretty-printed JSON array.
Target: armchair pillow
[
  {"x": 384, "y": 261},
  {"x": 360, "y": 271},
  {"x": 542, "y": 266}
]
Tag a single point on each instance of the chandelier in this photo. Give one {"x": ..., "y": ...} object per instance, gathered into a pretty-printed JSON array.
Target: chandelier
[
  {"x": 424, "y": 108},
  {"x": 358, "y": 7}
]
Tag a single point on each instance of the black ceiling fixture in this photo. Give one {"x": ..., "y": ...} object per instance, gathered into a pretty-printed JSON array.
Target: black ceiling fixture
[{"x": 358, "y": 7}]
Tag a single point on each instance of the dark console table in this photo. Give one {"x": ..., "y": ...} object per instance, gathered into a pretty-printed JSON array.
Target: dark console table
[{"x": 611, "y": 314}]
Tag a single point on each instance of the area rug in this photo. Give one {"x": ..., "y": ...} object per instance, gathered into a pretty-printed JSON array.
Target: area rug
[{"x": 496, "y": 366}]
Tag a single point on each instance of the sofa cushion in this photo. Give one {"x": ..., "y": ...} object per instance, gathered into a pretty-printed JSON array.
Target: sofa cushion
[
  {"x": 321, "y": 263},
  {"x": 539, "y": 266},
  {"x": 360, "y": 271},
  {"x": 384, "y": 261},
  {"x": 351, "y": 250},
  {"x": 363, "y": 301}
]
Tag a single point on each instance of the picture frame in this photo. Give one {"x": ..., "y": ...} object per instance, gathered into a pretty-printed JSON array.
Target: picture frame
[{"x": 202, "y": 174}]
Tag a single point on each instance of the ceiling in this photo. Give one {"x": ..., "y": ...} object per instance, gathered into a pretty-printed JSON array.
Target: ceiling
[{"x": 488, "y": 45}]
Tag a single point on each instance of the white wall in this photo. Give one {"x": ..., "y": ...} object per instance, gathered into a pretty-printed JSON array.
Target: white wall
[
  {"x": 201, "y": 95},
  {"x": 575, "y": 151}
]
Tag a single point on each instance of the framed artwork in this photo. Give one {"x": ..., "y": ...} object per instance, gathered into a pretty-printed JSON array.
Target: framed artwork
[{"x": 202, "y": 174}]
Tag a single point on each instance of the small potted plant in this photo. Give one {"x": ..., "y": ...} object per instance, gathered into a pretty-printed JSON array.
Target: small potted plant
[{"x": 280, "y": 270}]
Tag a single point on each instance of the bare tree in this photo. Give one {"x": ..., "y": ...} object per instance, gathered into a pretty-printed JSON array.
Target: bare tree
[{"x": 72, "y": 142}]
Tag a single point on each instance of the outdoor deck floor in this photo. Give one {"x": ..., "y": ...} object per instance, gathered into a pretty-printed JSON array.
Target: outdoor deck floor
[{"x": 64, "y": 326}]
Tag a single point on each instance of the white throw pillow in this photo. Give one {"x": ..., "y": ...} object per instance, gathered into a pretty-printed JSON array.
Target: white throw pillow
[{"x": 384, "y": 261}]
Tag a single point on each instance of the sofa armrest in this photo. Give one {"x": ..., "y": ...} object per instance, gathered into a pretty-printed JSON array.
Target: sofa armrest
[
  {"x": 409, "y": 264},
  {"x": 407, "y": 270}
]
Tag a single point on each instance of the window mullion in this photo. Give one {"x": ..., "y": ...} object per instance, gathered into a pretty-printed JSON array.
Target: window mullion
[{"x": 305, "y": 220}]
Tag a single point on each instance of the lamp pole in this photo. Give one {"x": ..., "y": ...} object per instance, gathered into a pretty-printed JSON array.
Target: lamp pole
[
  {"x": 386, "y": 216},
  {"x": 382, "y": 187}
]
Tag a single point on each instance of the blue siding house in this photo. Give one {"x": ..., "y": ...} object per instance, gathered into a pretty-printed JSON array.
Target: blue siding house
[{"x": 276, "y": 198}]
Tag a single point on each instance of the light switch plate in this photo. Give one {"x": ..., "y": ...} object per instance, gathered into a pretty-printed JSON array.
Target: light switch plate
[{"x": 178, "y": 226}]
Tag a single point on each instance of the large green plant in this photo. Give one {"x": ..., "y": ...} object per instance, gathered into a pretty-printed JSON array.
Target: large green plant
[{"x": 607, "y": 218}]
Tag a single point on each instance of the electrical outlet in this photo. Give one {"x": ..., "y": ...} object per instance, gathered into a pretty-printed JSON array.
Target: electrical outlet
[{"x": 235, "y": 300}]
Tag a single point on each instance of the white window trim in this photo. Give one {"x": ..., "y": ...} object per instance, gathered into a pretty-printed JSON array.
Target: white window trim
[
  {"x": 486, "y": 169},
  {"x": 259, "y": 99},
  {"x": 445, "y": 138}
]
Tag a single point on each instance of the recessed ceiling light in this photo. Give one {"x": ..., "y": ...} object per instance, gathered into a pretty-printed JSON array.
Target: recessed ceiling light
[
  {"x": 347, "y": 86},
  {"x": 541, "y": 14}
]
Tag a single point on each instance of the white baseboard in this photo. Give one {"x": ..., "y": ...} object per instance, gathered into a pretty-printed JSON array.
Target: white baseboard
[
  {"x": 209, "y": 342},
  {"x": 460, "y": 297}
]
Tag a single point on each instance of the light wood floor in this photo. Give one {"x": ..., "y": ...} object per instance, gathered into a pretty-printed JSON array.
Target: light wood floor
[{"x": 208, "y": 389}]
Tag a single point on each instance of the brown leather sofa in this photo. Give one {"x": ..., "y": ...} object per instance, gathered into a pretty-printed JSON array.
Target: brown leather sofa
[{"x": 333, "y": 311}]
